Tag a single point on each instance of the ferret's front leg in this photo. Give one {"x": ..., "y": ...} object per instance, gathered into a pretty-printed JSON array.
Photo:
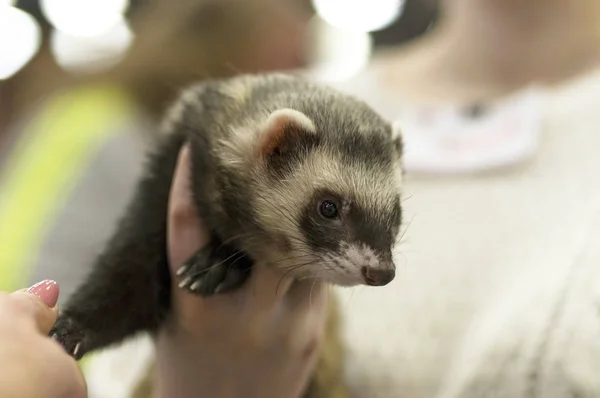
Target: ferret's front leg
[
  {"x": 126, "y": 293},
  {"x": 128, "y": 289},
  {"x": 123, "y": 297},
  {"x": 214, "y": 269}
]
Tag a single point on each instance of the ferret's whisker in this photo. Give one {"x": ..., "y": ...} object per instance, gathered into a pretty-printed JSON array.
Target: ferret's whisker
[
  {"x": 311, "y": 289},
  {"x": 232, "y": 263},
  {"x": 350, "y": 299},
  {"x": 292, "y": 269},
  {"x": 404, "y": 257},
  {"x": 291, "y": 237},
  {"x": 235, "y": 237},
  {"x": 238, "y": 253},
  {"x": 405, "y": 230},
  {"x": 285, "y": 259}
]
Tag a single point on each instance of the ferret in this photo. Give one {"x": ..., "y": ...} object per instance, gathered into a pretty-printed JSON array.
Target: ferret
[{"x": 294, "y": 173}]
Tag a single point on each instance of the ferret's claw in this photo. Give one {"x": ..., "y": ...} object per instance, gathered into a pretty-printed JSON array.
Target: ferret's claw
[
  {"x": 220, "y": 288},
  {"x": 208, "y": 272},
  {"x": 185, "y": 282},
  {"x": 70, "y": 335},
  {"x": 196, "y": 285},
  {"x": 76, "y": 349}
]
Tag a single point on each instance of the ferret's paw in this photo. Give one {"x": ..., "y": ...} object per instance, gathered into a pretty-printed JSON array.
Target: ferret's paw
[
  {"x": 70, "y": 335},
  {"x": 220, "y": 277}
]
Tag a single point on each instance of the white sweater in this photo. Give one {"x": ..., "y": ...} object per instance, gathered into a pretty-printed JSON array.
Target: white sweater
[{"x": 498, "y": 289}]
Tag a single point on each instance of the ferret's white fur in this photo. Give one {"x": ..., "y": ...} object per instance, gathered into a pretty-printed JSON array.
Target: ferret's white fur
[{"x": 347, "y": 268}]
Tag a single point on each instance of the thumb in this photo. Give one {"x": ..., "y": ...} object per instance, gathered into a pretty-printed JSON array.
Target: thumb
[
  {"x": 185, "y": 231},
  {"x": 39, "y": 302}
]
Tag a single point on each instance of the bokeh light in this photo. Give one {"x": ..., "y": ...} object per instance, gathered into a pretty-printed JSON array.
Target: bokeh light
[
  {"x": 337, "y": 54},
  {"x": 84, "y": 55},
  {"x": 84, "y": 18},
  {"x": 359, "y": 15},
  {"x": 20, "y": 39}
]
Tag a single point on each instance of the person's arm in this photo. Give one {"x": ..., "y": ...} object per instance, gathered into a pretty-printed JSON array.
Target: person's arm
[
  {"x": 33, "y": 365},
  {"x": 260, "y": 341}
]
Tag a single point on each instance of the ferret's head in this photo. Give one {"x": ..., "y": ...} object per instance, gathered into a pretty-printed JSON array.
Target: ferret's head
[{"x": 324, "y": 172}]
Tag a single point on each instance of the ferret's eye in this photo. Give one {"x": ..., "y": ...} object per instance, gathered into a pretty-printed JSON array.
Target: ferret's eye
[{"x": 328, "y": 209}]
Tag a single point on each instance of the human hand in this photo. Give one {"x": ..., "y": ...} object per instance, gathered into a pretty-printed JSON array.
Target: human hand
[
  {"x": 33, "y": 365},
  {"x": 259, "y": 341}
]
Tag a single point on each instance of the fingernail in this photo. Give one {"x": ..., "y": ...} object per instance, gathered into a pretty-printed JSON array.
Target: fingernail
[{"x": 47, "y": 291}]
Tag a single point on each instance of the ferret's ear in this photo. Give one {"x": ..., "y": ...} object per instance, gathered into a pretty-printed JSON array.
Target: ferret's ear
[{"x": 284, "y": 131}]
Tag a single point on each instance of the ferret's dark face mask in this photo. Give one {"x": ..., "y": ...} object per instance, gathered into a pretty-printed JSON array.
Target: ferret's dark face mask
[{"x": 337, "y": 209}]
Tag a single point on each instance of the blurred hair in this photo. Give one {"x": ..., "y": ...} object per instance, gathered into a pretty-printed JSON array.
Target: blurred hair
[
  {"x": 417, "y": 18},
  {"x": 207, "y": 39}
]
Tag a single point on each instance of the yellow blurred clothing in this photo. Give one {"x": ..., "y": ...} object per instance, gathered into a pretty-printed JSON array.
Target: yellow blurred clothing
[
  {"x": 58, "y": 197},
  {"x": 69, "y": 172}
]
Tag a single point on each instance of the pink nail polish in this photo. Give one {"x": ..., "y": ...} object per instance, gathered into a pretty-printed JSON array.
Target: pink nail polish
[{"x": 46, "y": 290}]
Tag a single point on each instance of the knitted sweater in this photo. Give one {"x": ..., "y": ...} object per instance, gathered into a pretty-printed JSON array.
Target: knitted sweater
[{"x": 498, "y": 289}]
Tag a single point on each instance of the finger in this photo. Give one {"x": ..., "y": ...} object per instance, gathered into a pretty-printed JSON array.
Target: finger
[
  {"x": 185, "y": 231},
  {"x": 265, "y": 290},
  {"x": 67, "y": 376},
  {"x": 36, "y": 309},
  {"x": 47, "y": 290},
  {"x": 309, "y": 304},
  {"x": 185, "y": 235},
  {"x": 308, "y": 295}
]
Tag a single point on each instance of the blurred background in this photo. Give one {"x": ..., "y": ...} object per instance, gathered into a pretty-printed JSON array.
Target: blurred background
[
  {"x": 48, "y": 44},
  {"x": 500, "y": 97}
]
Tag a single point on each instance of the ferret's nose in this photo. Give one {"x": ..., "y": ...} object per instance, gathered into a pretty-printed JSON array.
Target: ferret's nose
[{"x": 380, "y": 275}]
